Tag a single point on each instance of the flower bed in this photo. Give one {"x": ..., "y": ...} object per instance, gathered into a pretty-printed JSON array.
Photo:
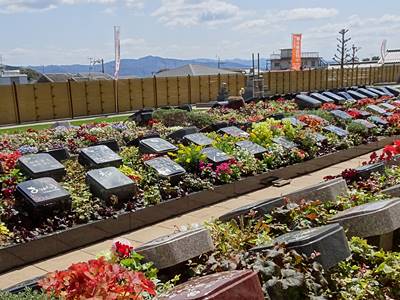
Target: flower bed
[
  {"x": 369, "y": 273},
  {"x": 159, "y": 198}
]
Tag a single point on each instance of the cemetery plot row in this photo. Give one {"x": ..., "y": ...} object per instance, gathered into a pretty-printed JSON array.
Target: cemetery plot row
[
  {"x": 238, "y": 256},
  {"x": 158, "y": 168}
]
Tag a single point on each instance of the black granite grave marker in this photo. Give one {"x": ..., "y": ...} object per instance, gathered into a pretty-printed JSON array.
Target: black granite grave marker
[
  {"x": 365, "y": 123},
  {"x": 329, "y": 240},
  {"x": 284, "y": 142},
  {"x": 378, "y": 121},
  {"x": 112, "y": 144},
  {"x": 41, "y": 165},
  {"x": 110, "y": 181},
  {"x": 345, "y": 95},
  {"x": 376, "y": 91},
  {"x": 377, "y": 110},
  {"x": 393, "y": 90},
  {"x": 336, "y": 130},
  {"x": 165, "y": 167},
  {"x": 356, "y": 95},
  {"x": 367, "y": 93},
  {"x": 251, "y": 147},
  {"x": 387, "y": 106},
  {"x": 199, "y": 139},
  {"x": 215, "y": 155},
  {"x": 364, "y": 172},
  {"x": 214, "y": 127},
  {"x": 320, "y": 138},
  {"x": 99, "y": 157},
  {"x": 322, "y": 98},
  {"x": 43, "y": 193},
  {"x": 305, "y": 102},
  {"x": 337, "y": 98},
  {"x": 59, "y": 154},
  {"x": 294, "y": 122},
  {"x": 156, "y": 146},
  {"x": 179, "y": 134},
  {"x": 342, "y": 115},
  {"x": 142, "y": 116},
  {"x": 234, "y": 131},
  {"x": 386, "y": 91}
]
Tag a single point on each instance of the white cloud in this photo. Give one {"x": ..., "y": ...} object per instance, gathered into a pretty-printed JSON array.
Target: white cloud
[
  {"x": 17, "y": 6},
  {"x": 276, "y": 18},
  {"x": 195, "y": 12}
]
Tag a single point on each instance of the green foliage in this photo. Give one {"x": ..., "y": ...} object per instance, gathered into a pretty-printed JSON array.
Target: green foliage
[
  {"x": 171, "y": 117},
  {"x": 151, "y": 195},
  {"x": 131, "y": 157},
  {"x": 262, "y": 133},
  {"x": 189, "y": 157},
  {"x": 26, "y": 295},
  {"x": 368, "y": 273},
  {"x": 199, "y": 118},
  {"x": 357, "y": 128},
  {"x": 135, "y": 263}
]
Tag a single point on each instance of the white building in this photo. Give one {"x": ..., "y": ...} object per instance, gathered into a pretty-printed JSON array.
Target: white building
[{"x": 9, "y": 77}]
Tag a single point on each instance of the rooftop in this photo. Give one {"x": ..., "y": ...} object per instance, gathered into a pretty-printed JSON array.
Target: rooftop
[
  {"x": 193, "y": 70},
  {"x": 391, "y": 56}
]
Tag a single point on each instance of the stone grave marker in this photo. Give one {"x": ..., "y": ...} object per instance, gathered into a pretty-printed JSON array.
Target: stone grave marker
[
  {"x": 99, "y": 157},
  {"x": 376, "y": 91},
  {"x": 336, "y": 130},
  {"x": 365, "y": 123},
  {"x": 59, "y": 154},
  {"x": 251, "y": 147},
  {"x": 393, "y": 191},
  {"x": 41, "y": 165},
  {"x": 156, "y": 146},
  {"x": 214, "y": 127},
  {"x": 215, "y": 155},
  {"x": 43, "y": 194},
  {"x": 179, "y": 134},
  {"x": 320, "y": 138},
  {"x": 259, "y": 208},
  {"x": 324, "y": 191},
  {"x": 393, "y": 90},
  {"x": 165, "y": 167},
  {"x": 284, "y": 142},
  {"x": 234, "y": 131},
  {"x": 375, "y": 219},
  {"x": 322, "y": 98},
  {"x": 345, "y": 95},
  {"x": 364, "y": 172},
  {"x": 386, "y": 91},
  {"x": 342, "y": 115},
  {"x": 110, "y": 181},
  {"x": 112, "y": 144},
  {"x": 367, "y": 93},
  {"x": 295, "y": 122},
  {"x": 356, "y": 95},
  {"x": 335, "y": 97},
  {"x": 199, "y": 139},
  {"x": 329, "y": 240},
  {"x": 171, "y": 250},
  {"x": 305, "y": 102},
  {"x": 378, "y": 121},
  {"x": 377, "y": 110},
  {"x": 228, "y": 285},
  {"x": 142, "y": 116},
  {"x": 363, "y": 114},
  {"x": 387, "y": 106}
]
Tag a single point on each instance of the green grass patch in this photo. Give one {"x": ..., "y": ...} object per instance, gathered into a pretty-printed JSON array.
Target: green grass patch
[{"x": 24, "y": 128}]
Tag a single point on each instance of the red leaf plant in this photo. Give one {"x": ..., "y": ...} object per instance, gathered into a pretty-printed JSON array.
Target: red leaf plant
[
  {"x": 354, "y": 113},
  {"x": 329, "y": 106},
  {"x": 9, "y": 160},
  {"x": 97, "y": 279}
]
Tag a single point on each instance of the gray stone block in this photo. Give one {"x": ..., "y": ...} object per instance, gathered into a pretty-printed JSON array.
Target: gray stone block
[
  {"x": 393, "y": 191},
  {"x": 174, "y": 249},
  {"x": 371, "y": 219},
  {"x": 329, "y": 240}
]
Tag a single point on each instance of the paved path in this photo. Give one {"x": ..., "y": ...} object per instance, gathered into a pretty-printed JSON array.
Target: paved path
[{"x": 166, "y": 227}]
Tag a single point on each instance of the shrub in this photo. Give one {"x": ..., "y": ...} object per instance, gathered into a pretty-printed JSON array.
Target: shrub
[
  {"x": 171, "y": 117},
  {"x": 200, "y": 119}
]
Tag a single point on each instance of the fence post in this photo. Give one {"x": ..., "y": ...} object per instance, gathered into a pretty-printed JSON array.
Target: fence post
[
  {"x": 101, "y": 97},
  {"x": 237, "y": 84},
  {"x": 166, "y": 89},
  {"x": 178, "y": 90},
  {"x": 16, "y": 103},
  {"x": 209, "y": 87},
  {"x": 53, "y": 105},
  {"x": 155, "y": 91},
  {"x": 130, "y": 94},
  {"x": 189, "y": 89},
  {"x": 71, "y": 105}
]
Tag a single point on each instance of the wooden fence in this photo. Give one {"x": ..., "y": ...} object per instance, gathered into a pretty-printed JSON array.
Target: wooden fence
[{"x": 51, "y": 101}]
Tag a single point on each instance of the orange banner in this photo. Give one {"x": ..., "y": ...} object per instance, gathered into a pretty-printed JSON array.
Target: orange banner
[{"x": 296, "y": 51}]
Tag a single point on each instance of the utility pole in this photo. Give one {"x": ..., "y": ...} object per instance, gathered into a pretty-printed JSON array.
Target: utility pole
[{"x": 342, "y": 56}]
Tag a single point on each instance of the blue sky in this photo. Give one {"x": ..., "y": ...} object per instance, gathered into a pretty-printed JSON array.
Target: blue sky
[{"x": 39, "y": 32}]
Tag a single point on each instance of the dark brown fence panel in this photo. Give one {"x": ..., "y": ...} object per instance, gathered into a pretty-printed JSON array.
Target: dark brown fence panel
[
  {"x": 27, "y": 103},
  {"x": 79, "y": 99}
]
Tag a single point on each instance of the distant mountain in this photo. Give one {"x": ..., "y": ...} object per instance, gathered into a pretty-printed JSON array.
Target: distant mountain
[{"x": 147, "y": 66}]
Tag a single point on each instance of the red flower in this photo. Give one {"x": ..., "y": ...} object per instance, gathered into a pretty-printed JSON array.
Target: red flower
[
  {"x": 329, "y": 106},
  {"x": 122, "y": 250},
  {"x": 354, "y": 113}
]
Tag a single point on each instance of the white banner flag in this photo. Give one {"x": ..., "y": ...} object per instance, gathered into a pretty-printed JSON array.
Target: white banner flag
[{"x": 117, "y": 44}]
